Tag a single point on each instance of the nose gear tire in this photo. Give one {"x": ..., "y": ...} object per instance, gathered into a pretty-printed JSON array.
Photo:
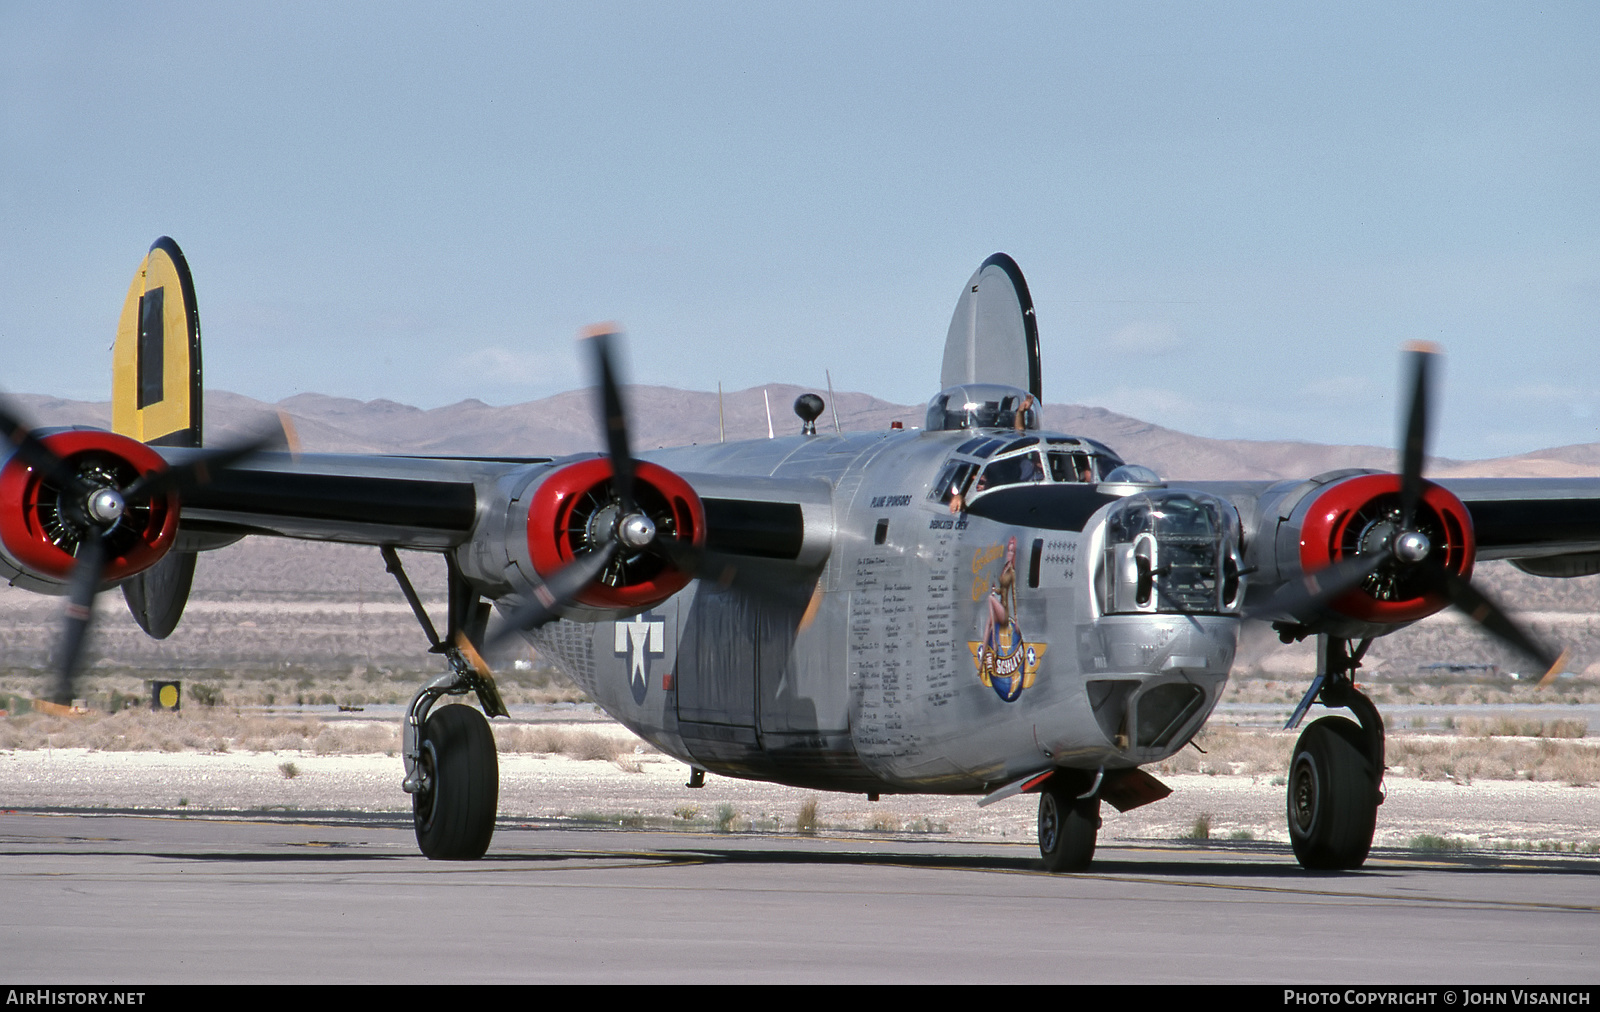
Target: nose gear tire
[
  {"x": 455, "y": 810},
  {"x": 1333, "y": 799},
  {"x": 1068, "y": 826}
]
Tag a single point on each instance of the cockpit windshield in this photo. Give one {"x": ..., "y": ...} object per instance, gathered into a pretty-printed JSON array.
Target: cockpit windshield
[
  {"x": 1023, "y": 460},
  {"x": 1171, "y": 552}
]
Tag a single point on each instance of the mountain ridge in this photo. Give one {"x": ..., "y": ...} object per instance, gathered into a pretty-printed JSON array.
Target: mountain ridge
[{"x": 663, "y": 416}]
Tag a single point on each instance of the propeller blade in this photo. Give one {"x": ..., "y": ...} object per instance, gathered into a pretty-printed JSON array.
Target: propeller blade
[
  {"x": 200, "y": 469},
  {"x": 613, "y": 417},
  {"x": 557, "y": 592},
  {"x": 680, "y": 555},
  {"x": 1497, "y": 623},
  {"x": 85, "y": 583},
  {"x": 1415, "y": 445},
  {"x": 38, "y": 456},
  {"x": 1313, "y": 590}
]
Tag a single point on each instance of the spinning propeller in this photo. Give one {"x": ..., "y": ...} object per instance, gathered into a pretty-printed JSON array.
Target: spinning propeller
[
  {"x": 1400, "y": 548},
  {"x": 95, "y": 505},
  {"x": 619, "y": 528}
]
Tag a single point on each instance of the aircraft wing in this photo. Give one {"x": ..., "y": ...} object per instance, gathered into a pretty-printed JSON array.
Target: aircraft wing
[
  {"x": 1531, "y": 518},
  {"x": 1512, "y": 518},
  {"x": 407, "y": 502}
]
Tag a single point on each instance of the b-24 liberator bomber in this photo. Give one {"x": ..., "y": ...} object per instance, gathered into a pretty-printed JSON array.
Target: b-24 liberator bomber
[{"x": 974, "y": 607}]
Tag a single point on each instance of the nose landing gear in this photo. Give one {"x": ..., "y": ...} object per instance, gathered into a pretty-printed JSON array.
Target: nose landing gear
[{"x": 1068, "y": 822}]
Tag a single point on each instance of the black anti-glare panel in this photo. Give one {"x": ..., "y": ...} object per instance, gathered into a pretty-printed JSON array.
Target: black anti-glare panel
[
  {"x": 1052, "y": 507},
  {"x": 1514, "y": 522},
  {"x": 766, "y": 530},
  {"x": 395, "y": 502}
]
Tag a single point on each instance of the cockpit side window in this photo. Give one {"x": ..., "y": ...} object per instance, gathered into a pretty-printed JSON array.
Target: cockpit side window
[
  {"x": 1066, "y": 466},
  {"x": 952, "y": 480},
  {"x": 1016, "y": 470}
]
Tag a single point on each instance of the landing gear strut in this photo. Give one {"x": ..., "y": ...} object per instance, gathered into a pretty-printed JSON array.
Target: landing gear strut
[
  {"x": 1336, "y": 773},
  {"x": 1069, "y": 822},
  {"x": 452, "y": 770}
]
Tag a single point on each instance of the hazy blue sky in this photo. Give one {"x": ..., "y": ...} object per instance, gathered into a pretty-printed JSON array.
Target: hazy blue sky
[{"x": 1231, "y": 215}]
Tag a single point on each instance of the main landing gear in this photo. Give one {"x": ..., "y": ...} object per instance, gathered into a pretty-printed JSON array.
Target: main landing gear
[
  {"x": 452, "y": 770},
  {"x": 1336, "y": 773}
]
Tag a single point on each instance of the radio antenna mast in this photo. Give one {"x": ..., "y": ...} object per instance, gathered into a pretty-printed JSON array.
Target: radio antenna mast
[{"x": 831, "y": 403}]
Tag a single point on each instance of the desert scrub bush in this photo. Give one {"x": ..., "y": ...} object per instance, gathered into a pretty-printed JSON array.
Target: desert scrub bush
[
  {"x": 1249, "y": 753},
  {"x": 1437, "y": 844},
  {"x": 885, "y": 822},
  {"x": 584, "y": 744},
  {"x": 541, "y": 684},
  {"x": 204, "y": 693},
  {"x": 726, "y": 816},
  {"x": 357, "y": 738},
  {"x": 144, "y": 731},
  {"x": 1201, "y": 830},
  {"x": 289, "y": 770},
  {"x": 1521, "y": 727},
  {"x": 1468, "y": 759},
  {"x": 806, "y": 821}
]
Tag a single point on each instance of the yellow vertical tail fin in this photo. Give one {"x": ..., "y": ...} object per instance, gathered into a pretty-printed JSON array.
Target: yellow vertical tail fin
[
  {"x": 156, "y": 399},
  {"x": 155, "y": 375}
]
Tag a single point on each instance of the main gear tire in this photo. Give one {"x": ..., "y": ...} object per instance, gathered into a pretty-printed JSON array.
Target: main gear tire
[
  {"x": 1333, "y": 797},
  {"x": 456, "y": 807},
  {"x": 1068, "y": 826}
]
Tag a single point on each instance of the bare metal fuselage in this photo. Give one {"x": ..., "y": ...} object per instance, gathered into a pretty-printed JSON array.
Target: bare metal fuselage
[{"x": 905, "y": 647}]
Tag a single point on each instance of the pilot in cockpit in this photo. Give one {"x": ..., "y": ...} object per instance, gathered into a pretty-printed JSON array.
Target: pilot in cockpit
[{"x": 1031, "y": 468}]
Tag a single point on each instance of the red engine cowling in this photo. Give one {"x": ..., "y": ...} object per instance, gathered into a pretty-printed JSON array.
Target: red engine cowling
[
  {"x": 1357, "y": 516},
  {"x": 570, "y": 510},
  {"x": 41, "y": 528}
]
